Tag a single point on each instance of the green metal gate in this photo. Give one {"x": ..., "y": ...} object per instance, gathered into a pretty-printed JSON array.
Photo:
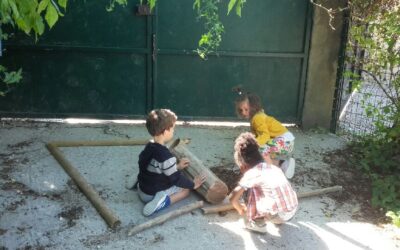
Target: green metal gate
[{"x": 100, "y": 64}]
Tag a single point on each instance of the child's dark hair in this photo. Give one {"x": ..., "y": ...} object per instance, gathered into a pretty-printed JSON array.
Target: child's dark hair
[
  {"x": 254, "y": 100},
  {"x": 159, "y": 120},
  {"x": 246, "y": 150}
]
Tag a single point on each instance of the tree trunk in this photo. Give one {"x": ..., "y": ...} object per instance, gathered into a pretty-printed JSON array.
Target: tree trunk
[{"x": 213, "y": 189}]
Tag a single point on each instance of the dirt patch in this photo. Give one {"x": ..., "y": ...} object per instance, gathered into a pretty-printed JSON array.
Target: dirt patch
[
  {"x": 14, "y": 205},
  {"x": 229, "y": 174},
  {"x": 9, "y": 164},
  {"x": 20, "y": 145},
  {"x": 71, "y": 215},
  {"x": 18, "y": 187},
  {"x": 356, "y": 186}
]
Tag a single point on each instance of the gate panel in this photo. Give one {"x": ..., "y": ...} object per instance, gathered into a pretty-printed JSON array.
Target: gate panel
[
  {"x": 205, "y": 91},
  {"x": 264, "y": 51},
  {"x": 93, "y": 62},
  {"x": 118, "y": 64}
]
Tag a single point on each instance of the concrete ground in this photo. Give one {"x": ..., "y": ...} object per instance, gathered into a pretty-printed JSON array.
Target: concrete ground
[{"x": 41, "y": 208}]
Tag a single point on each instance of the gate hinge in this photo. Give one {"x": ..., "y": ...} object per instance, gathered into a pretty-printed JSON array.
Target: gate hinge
[{"x": 142, "y": 10}]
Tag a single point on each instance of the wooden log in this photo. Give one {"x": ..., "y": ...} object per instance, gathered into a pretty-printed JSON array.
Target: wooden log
[
  {"x": 213, "y": 189},
  {"x": 161, "y": 219},
  {"x": 99, "y": 143},
  {"x": 228, "y": 206},
  {"x": 85, "y": 187}
]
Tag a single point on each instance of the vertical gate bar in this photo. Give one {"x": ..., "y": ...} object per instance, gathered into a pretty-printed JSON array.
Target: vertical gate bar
[
  {"x": 149, "y": 67},
  {"x": 304, "y": 63},
  {"x": 154, "y": 61}
]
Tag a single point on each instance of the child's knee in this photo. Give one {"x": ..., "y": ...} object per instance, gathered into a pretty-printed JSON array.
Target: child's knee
[{"x": 185, "y": 192}]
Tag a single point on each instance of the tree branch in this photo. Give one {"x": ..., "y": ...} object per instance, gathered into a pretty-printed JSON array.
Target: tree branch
[{"x": 380, "y": 84}]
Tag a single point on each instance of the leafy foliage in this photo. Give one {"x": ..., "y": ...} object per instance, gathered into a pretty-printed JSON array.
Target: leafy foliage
[
  {"x": 9, "y": 79},
  {"x": 30, "y": 16},
  {"x": 395, "y": 216},
  {"x": 375, "y": 35},
  {"x": 208, "y": 11}
]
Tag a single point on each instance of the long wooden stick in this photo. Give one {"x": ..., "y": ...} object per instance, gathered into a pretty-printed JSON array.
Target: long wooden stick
[
  {"x": 85, "y": 187},
  {"x": 228, "y": 206},
  {"x": 161, "y": 219},
  {"x": 99, "y": 143},
  {"x": 320, "y": 191}
]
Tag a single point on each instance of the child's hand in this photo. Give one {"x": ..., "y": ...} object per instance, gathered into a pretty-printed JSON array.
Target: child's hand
[
  {"x": 199, "y": 180},
  {"x": 183, "y": 163}
]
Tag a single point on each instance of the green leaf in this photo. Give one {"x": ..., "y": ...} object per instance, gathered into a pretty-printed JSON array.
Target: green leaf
[
  {"x": 51, "y": 15},
  {"x": 39, "y": 26},
  {"x": 152, "y": 3},
  {"x": 12, "y": 77},
  {"x": 239, "y": 9},
  {"x": 204, "y": 39},
  {"x": 63, "y": 3},
  {"x": 196, "y": 4},
  {"x": 42, "y": 6},
  {"x": 231, "y": 5},
  {"x": 23, "y": 26}
]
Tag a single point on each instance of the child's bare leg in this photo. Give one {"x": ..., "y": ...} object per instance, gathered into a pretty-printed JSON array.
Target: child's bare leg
[
  {"x": 275, "y": 162},
  {"x": 269, "y": 160},
  {"x": 179, "y": 196}
]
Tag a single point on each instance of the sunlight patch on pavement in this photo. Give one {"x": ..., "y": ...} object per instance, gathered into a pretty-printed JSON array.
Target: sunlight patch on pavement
[
  {"x": 237, "y": 227},
  {"x": 338, "y": 239},
  {"x": 365, "y": 234}
]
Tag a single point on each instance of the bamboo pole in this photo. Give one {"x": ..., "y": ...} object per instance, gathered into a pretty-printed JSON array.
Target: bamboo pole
[
  {"x": 85, "y": 187},
  {"x": 213, "y": 189},
  {"x": 228, "y": 206},
  {"x": 320, "y": 191},
  {"x": 99, "y": 143},
  {"x": 161, "y": 219}
]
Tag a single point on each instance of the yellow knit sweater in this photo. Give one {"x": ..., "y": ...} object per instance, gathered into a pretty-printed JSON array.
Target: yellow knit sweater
[{"x": 266, "y": 127}]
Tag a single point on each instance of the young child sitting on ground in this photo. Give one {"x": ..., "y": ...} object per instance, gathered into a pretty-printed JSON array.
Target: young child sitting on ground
[
  {"x": 270, "y": 196},
  {"x": 160, "y": 183},
  {"x": 274, "y": 139}
]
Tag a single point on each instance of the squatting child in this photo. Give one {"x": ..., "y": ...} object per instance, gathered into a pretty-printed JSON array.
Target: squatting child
[
  {"x": 160, "y": 181},
  {"x": 270, "y": 196},
  {"x": 274, "y": 139}
]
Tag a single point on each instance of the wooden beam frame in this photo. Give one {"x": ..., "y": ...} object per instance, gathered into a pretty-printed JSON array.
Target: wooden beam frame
[{"x": 92, "y": 195}]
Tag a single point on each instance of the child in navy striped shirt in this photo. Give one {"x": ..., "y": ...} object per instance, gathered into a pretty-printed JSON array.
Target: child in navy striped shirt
[{"x": 160, "y": 181}]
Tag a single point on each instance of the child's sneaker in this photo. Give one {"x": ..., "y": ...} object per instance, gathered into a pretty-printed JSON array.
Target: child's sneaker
[
  {"x": 288, "y": 167},
  {"x": 161, "y": 200},
  {"x": 259, "y": 227}
]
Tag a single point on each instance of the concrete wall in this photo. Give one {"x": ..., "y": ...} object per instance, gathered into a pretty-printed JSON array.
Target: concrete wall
[{"x": 322, "y": 67}]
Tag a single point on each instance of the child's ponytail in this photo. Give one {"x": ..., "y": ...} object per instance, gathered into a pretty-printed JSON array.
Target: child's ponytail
[{"x": 238, "y": 90}]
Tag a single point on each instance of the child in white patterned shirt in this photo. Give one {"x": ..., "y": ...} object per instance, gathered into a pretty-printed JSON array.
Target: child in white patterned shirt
[{"x": 270, "y": 195}]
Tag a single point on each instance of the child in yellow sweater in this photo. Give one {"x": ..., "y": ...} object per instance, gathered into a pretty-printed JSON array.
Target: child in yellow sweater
[{"x": 274, "y": 139}]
